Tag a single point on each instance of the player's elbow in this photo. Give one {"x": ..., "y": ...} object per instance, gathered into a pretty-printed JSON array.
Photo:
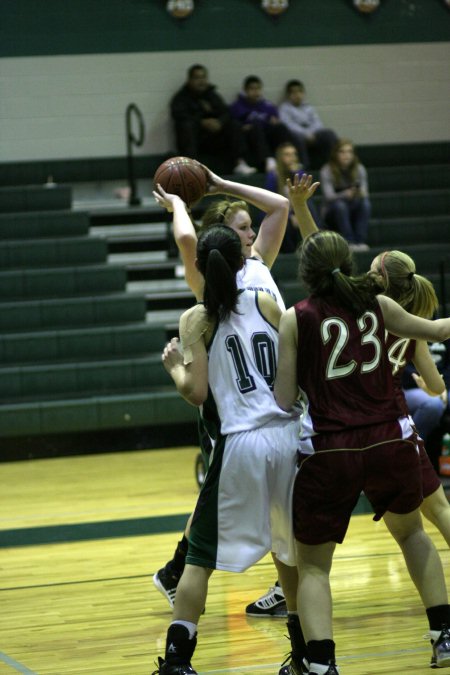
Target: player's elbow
[
  {"x": 284, "y": 399},
  {"x": 284, "y": 204},
  {"x": 195, "y": 395}
]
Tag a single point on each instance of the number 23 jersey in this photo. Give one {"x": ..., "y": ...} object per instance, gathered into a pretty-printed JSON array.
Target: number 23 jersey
[
  {"x": 343, "y": 368},
  {"x": 241, "y": 368}
]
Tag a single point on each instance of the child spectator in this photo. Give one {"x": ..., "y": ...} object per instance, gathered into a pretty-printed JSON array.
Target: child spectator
[
  {"x": 260, "y": 123},
  {"x": 301, "y": 118}
]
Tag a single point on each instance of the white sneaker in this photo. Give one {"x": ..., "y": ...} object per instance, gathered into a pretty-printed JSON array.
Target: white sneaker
[
  {"x": 271, "y": 164},
  {"x": 271, "y": 604},
  {"x": 243, "y": 168}
]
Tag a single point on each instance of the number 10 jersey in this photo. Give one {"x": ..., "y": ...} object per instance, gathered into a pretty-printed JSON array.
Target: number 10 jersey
[{"x": 242, "y": 366}]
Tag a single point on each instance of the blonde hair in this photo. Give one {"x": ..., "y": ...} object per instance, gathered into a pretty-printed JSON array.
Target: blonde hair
[
  {"x": 395, "y": 272},
  {"x": 222, "y": 213}
]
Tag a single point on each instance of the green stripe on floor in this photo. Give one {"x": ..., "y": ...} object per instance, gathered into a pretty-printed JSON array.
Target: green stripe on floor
[
  {"x": 110, "y": 529},
  {"x": 58, "y": 534}
]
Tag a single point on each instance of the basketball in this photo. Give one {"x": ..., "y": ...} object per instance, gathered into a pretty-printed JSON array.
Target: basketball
[{"x": 183, "y": 177}]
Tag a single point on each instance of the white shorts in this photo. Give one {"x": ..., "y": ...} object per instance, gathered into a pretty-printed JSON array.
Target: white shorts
[{"x": 244, "y": 509}]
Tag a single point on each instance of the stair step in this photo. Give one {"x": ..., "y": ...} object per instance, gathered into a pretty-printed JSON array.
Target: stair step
[
  {"x": 128, "y": 230},
  {"x": 169, "y": 318},
  {"x": 140, "y": 259}
]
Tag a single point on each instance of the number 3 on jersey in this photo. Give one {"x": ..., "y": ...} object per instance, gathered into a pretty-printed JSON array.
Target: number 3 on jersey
[{"x": 264, "y": 356}]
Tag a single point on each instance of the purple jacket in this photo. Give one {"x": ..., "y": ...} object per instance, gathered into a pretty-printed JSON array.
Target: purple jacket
[{"x": 247, "y": 113}]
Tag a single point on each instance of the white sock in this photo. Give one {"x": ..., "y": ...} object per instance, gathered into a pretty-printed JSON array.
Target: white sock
[
  {"x": 192, "y": 627},
  {"x": 318, "y": 668}
]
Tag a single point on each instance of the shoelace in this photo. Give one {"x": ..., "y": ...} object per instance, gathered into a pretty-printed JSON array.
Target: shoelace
[
  {"x": 288, "y": 661},
  {"x": 156, "y": 672}
]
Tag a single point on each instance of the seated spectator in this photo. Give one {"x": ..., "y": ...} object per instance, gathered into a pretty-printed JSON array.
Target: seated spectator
[
  {"x": 260, "y": 122},
  {"x": 203, "y": 122},
  {"x": 427, "y": 410},
  {"x": 346, "y": 192},
  {"x": 301, "y": 118},
  {"x": 287, "y": 165}
]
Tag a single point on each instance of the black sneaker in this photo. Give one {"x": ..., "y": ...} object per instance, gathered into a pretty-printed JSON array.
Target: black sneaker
[
  {"x": 166, "y": 581},
  {"x": 272, "y": 604},
  {"x": 165, "y": 668},
  {"x": 441, "y": 649},
  {"x": 320, "y": 669},
  {"x": 291, "y": 666}
]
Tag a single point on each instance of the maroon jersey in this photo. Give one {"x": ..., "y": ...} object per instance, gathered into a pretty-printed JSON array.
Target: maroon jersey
[
  {"x": 343, "y": 368},
  {"x": 400, "y": 352}
]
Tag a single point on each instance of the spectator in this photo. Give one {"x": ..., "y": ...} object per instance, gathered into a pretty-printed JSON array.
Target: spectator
[
  {"x": 260, "y": 122},
  {"x": 428, "y": 412},
  {"x": 203, "y": 122},
  {"x": 346, "y": 191},
  {"x": 287, "y": 166},
  {"x": 314, "y": 141}
]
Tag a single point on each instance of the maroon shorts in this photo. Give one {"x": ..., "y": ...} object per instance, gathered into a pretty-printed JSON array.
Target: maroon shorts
[
  {"x": 430, "y": 479},
  {"x": 375, "y": 460}
]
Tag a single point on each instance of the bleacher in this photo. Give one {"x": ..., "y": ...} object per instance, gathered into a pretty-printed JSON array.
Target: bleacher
[{"x": 89, "y": 298}]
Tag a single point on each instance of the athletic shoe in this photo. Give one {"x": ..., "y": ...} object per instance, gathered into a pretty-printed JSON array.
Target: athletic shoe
[
  {"x": 320, "y": 669},
  {"x": 441, "y": 647},
  {"x": 291, "y": 667},
  {"x": 243, "y": 168},
  {"x": 272, "y": 604},
  {"x": 271, "y": 164},
  {"x": 165, "y": 668},
  {"x": 166, "y": 581}
]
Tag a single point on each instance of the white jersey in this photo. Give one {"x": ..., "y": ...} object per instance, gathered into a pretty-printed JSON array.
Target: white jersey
[
  {"x": 256, "y": 276},
  {"x": 242, "y": 366}
]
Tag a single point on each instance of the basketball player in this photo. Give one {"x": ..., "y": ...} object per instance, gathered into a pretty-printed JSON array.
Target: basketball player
[
  {"x": 395, "y": 274},
  {"x": 229, "y": 345},
  {"x": 355, "y": 436},
  {"x": 260, "y": 253}
]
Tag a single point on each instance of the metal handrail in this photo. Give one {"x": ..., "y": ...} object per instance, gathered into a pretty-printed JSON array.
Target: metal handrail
[{"x": 132, "y": 115}]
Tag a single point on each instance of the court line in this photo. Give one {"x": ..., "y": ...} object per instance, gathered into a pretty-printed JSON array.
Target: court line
[
  {"x": 74, "y": 583},
  {"x": 16, "y": 665}
]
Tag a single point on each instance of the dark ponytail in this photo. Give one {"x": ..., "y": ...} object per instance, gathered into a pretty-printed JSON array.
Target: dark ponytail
[
  {"x": 326, "y": 268},
  {"x": 219, "y": 258}
]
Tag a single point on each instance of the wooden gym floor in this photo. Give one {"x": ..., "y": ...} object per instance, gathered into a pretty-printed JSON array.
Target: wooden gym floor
[{"x": 80, "y": 538}]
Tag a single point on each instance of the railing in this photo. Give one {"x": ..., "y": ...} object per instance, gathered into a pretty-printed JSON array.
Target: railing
[{"x": 133, "y": 117}]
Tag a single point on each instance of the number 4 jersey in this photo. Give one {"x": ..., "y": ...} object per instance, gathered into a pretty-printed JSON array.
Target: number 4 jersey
[
  {"x": 343, "y": 368},
  {"x": 242, "y": 366}
]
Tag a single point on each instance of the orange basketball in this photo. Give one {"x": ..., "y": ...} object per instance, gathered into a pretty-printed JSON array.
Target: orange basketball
[{"x": 183, "y": 177}]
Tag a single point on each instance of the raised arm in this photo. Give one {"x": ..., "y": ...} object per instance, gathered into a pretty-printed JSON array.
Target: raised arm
[
  {"x": 286, "y": 386},
  {"x": 276, "y": 207},
  {"x": 300, "y": 190},
  {"x": 402, "y": 323},
  {"x": 185, "y": 238}
]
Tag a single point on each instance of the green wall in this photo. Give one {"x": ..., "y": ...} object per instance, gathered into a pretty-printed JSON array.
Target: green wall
[{"x": 54, "y": 27}]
